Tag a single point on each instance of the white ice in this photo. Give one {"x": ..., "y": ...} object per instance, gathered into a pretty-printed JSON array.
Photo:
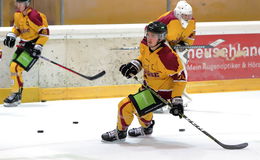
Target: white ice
[{"x": 231, "y": 117}]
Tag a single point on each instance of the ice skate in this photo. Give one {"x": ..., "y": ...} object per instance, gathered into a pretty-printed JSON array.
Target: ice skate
[
  {"x": 13, "y": 100},
  {"x": 114, "y": 135},
  {"x": 141, "y": 131}
]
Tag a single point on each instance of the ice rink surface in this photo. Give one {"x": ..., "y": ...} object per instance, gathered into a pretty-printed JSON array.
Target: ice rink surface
[{"x": 231, "y": 117}]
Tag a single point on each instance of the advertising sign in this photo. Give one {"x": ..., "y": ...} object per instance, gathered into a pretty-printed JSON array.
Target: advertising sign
[{"x": 236, "y": 58}]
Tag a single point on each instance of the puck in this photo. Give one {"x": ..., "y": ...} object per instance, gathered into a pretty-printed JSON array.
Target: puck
[
  {"x": 75, "y": 122},
  {"x": 43, "y": 100},
  {"x": 40, "y": 131},
  {"x": 181, "y": 130}
]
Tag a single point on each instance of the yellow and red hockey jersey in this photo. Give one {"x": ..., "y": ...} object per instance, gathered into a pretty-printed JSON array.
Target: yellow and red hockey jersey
[
  {"x": 176, "y": 32},
  {"x": 30, "y": 26},
  {"x": 163, "y": 70}
]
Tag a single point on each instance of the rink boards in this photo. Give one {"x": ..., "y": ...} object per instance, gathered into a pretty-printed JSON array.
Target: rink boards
[{"x": 231, "y": 66}]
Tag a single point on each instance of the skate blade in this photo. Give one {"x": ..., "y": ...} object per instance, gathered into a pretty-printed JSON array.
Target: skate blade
[
  {"x": 142, "y": 136},
  {"x": 115, "y": 141},
  {"x": 15, "y": 104}
]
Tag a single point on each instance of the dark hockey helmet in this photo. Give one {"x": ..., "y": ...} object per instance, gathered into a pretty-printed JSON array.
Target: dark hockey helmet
[{"x": 158, "y": 28}]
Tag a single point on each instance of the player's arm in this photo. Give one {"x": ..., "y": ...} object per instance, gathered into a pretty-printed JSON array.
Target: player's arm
[
  {"x": 15, "y": 28},
  {"x": 190, "y": 33},
  {"x": 10, "y": 38},
  {"x": 135, "y": 66},
  {"x": 179, "y": 80},
  {"x": 39, "y": 23},
  {"x": 179, "y": 83},
  {"x": 190, "y": 40},
  {"x": 176, "y": 71},
  {"x": 174, "y": 31},
  {"x": 16, "y": 31},
  {"x": 173, "y": 67}
]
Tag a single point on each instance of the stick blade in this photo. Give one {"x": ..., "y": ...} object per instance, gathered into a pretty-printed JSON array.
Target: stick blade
[
  {"x": 237, "y": 146},
  {"x": 95, "y": 76},
  {"x": 217, "y": 42}
]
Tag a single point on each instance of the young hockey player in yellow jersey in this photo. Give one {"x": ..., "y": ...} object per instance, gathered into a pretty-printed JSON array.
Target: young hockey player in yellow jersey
[
  {"x": 181, "y": 27},
  {"x": 32, "y": 28},
  {"x": 163, "y": 72}
]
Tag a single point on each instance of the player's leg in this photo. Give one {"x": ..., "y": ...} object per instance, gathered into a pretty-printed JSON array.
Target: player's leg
[
  {"x": 124, "y": 119},
  {"x": 16, "y": 87},
  {"x": 146, "y": 128}
]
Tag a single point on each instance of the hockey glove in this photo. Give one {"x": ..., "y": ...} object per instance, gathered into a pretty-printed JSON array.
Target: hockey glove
[
  {"x": 181, "y": 43},
  {"x": 131, "y": 68},
  {"x": 37, "y": 50},
  {"x": 177, "y": 107},
  {"x": 10, "y": 40}
]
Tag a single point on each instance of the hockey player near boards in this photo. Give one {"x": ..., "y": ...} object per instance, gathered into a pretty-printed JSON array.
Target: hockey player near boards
[
  {"x": 32, "y": 28},
  {"x": 181, "y": 28},
  {"x": 163, "y": 72}
]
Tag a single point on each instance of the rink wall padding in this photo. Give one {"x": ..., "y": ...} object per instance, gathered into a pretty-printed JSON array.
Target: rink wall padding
[
  {"x": 223, "y": 85},
  {"x": 232, "y": 66},
  {"x": 29, "y": 94},
  {"x": 88, "y": 92},
  {"x": 42, "y": 94}
]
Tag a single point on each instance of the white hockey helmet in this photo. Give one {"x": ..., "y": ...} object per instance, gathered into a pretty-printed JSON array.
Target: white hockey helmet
[
  {"x": 27, "y": 2},
  {"x": 183, "y": 11}
]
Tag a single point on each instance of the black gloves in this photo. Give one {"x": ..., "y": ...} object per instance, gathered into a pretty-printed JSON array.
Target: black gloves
[
  {"x": 10, "y": 40},
  {"x": 177, "y": 107},
  {"x": 131, "y": 68},
  {"x": 37, "y": 50}
]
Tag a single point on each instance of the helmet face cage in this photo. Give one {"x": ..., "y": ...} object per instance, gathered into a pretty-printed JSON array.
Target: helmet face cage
[
  {"x": 158, "y": 28},
  {"x": 27, "y": 2},
  {"x": 183, "y": 10}
]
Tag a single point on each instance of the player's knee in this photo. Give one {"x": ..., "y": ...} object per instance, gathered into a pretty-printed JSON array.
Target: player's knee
[
  {"x": 16, "y": 68},
  {"x": 13, "y": 67},
  {"x": 125, "y": 104}
]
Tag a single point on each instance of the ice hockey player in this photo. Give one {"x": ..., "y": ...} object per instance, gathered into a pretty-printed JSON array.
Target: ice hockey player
[
  {"x": 163, "y": 72},
  {"x": 181, "y": 28},
  {"x": 32, "y": 28}
]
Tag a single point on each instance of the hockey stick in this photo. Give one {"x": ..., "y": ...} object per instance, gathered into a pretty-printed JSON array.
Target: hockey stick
[
  {"x": 125, "y": 48},
  {"x": 226, "y": 146},
  {"x": 211, "y": 45},
  {"x": 68, "y": 69},
  {"x": 86, "y": 77},
  {"x": 187, "y": 96}
]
